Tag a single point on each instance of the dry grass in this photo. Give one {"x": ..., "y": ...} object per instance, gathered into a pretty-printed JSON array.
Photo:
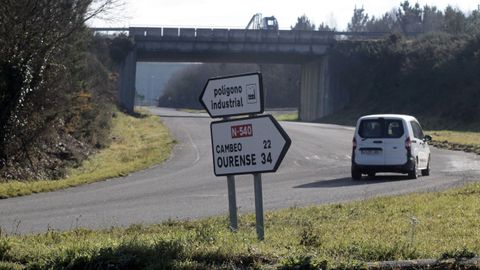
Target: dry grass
[
  {"x": 137, "y": 143},
  {"x": 345, "y": 236},
  {"x": 456, "y": 140}
]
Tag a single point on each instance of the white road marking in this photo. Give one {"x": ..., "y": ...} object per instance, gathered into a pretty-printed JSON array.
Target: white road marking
[{"x": 197, "y": 153}]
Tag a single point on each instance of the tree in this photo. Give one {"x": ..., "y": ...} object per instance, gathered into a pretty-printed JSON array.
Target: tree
[
  {"x": 119, "y": 47},
  {"x": 325, "y": 27},
  {"x": 281, "y": 83},
  {"x": 182, "y": 91},
  {"x": 359, "y": 21},
  {"x": 303, "y": 23},
  {"x": 409, "y": 17},
  {"x": 387, "y": 23},
  {"x": 473, "y": 22},
  {"x": 454, "y": 21},
  {"x": 432, "y": 19},
  {"x": 37, "y": 41}
]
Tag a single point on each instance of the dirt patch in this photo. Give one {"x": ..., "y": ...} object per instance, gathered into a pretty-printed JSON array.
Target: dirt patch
[
  {"x": 48, "y": 158},
  {"x": 456, "y": 147}
]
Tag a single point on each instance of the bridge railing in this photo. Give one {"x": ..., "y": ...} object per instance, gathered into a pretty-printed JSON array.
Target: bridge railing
[
  {"x": 242, "y": 35},
  {"x": 230, "y": 35}
]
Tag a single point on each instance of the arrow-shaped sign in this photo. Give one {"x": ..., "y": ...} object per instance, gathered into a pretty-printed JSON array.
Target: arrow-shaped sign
[
  {"x": 248, "y": 145},
  {"x": 233, "y": 95}
]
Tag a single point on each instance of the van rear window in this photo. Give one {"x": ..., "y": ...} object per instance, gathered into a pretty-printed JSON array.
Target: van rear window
[{"x": 381, "y": 128}]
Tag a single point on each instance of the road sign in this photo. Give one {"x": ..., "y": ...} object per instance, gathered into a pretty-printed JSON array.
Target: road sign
[
  {"x": 248, "y": 145},
  {"x": 233, "y": 95}
]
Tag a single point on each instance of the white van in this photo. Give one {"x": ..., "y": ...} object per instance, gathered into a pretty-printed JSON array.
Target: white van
[{"x": 390, "y": 143}]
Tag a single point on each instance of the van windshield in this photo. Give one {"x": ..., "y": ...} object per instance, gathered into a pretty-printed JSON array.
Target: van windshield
[{"x": 381, "y": 128}]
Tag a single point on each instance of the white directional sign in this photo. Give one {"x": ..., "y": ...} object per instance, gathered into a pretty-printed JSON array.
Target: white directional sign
[
  {"x": 233, "y": 95},
  {"x": 248, "y": 145}
]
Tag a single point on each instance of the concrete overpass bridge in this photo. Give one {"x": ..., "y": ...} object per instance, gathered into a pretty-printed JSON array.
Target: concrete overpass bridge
[{"x": 318, "y": 97}]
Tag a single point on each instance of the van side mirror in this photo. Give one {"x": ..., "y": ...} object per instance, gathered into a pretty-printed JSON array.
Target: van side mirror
[{"x": 427, "y": 138}]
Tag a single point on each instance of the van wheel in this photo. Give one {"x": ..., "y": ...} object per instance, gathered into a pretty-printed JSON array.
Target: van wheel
[
  {"x": 426, "y": 172},
  {"x": 413, "y": 173},
  {"x": 356, "y": 175}
]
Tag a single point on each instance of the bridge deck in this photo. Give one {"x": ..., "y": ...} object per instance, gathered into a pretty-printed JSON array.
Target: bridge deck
[{"x": 231, "y": 45}]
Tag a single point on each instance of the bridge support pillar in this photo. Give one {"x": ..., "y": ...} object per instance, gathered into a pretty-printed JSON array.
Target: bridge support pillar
[
  {"x": 126, "y": 84},
  {"x": 315, "y": 90}
]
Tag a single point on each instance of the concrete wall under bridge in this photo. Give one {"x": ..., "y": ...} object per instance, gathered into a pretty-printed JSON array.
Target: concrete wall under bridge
[
  {"x": 307, "y": 48},
  {"x": 320, "y": 95}
]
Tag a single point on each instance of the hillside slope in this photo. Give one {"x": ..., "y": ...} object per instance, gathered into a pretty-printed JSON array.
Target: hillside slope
[{"x": 434, "y": 77}]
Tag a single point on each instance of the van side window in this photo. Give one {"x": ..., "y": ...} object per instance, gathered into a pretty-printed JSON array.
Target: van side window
[
  {"x": 394, "y": 128},
  {"x": 417, "y": 130}
]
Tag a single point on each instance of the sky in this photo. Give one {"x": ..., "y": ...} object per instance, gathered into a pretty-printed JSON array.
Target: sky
[{"x": 237, "y": 14}]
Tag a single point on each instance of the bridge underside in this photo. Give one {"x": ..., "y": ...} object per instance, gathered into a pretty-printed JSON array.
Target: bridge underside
[{"x": 316, "y": 90}]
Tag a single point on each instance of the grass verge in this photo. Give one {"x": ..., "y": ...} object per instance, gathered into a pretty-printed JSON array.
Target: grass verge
[
  {"x": 456, "y": 140},
  {"x": 192, "y": 110},
  {"x": 137, "y": 143},
  {"x": 293, "y": 116},
  {"x": 428, "y": 225}
]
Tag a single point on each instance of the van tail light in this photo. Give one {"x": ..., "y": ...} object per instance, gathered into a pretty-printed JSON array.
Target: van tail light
[
  {"x": 354, "y": 143},
  {"x": 408, "y": 145}
]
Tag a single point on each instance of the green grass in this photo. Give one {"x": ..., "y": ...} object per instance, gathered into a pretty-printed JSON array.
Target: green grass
[
  {"x": 192, "y": 110},
  {"x": 456, "y": 140},
  {"x": 428, "y": 225},
  {"x": 293, "y": 116},
  {"x": 137, "y": 143}
]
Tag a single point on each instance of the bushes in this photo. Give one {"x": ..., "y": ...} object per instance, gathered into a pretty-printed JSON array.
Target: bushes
[
  {"x": 54, "y": 93},
  {"x": 433, "y": 77}
]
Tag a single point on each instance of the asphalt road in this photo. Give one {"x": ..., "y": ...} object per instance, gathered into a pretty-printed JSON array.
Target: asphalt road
[{"x": 315, "y": 171}]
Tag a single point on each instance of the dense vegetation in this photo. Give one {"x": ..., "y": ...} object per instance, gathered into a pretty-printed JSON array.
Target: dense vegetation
[
  {"x": 416, "y": 19},
  {"x": 426, "y": 64},
  {"x": 56, "y": 86},
  {"x": 136, "y": 142},
  {"x": 433, "y": 75}
]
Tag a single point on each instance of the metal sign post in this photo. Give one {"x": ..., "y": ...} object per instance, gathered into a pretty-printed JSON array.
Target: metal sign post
[
  {"x": 232, "y": 202},
  {"x": 257, "y": 186},
  {"x": 250, "y": 145}
]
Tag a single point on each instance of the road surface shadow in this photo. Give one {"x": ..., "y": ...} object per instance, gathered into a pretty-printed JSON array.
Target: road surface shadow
[{"x": 347, "y": 181}]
